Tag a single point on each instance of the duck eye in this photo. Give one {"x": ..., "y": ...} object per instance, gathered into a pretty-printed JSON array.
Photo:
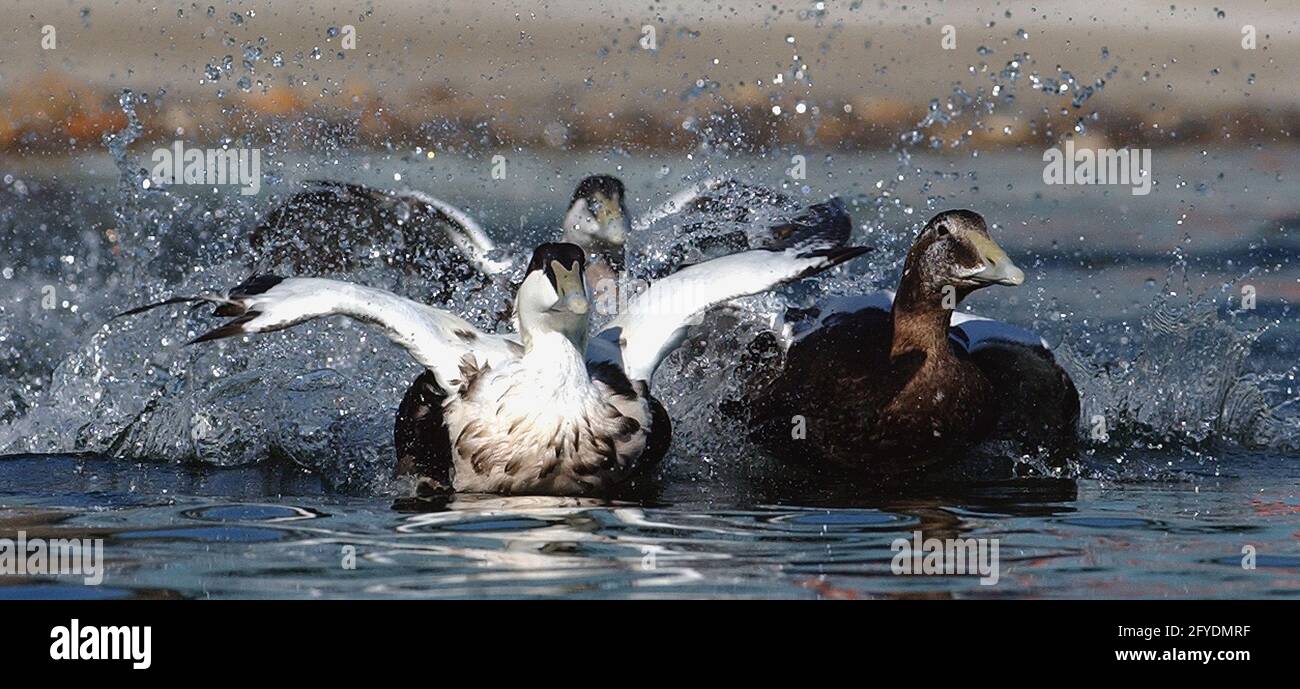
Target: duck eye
[{"x": 941, "y": 229}]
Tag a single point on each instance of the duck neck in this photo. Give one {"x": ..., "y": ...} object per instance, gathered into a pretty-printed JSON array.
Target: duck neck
[
  {"x": 920, "y": 321},
  {"x": 556, "y": 356},
  {"x": 568, "y": 341}
]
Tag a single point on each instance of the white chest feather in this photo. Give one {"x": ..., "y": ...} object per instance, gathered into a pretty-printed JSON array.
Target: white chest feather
[{"x": 539, "y": 424}]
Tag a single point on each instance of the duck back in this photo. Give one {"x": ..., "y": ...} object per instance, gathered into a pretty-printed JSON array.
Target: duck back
[{"x": 861, "y": 406}]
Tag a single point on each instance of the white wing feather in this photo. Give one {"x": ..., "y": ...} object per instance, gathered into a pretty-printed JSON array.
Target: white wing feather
[
  {"x": 465, "y": 232},
  {"x": 676, "y": 203},
  {"x": 657, "y": 319},
  {"x": 435, "y": 338}
]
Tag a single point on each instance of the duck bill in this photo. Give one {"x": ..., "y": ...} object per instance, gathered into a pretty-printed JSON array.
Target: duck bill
[
  {"x": 998, "y": 268},
  {"x": 614, "y": 224},
  {"x": 569, "y": 286}
]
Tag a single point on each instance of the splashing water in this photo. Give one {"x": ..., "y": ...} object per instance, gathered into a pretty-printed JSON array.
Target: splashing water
[
  {"x": 324, "y": 395},
  {"x": 1188, "y": 383}
]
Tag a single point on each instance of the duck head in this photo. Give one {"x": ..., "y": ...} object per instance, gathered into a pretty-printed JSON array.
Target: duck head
[
  {"x": 553, "y": 296},
  {"x": 597, "y": 220},
  {"x": 955, "y": 251}
]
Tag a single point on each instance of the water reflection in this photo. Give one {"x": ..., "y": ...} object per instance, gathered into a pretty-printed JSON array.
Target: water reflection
[{"x": 1057, "y": 538}]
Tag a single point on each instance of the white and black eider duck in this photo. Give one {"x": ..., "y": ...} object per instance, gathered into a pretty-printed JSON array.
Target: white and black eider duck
[
  {"x": 546, "y": 411},
  {"x": 887, "y": 388}
]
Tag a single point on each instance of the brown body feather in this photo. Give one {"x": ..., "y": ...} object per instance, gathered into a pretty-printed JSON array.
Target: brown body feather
[{"x": 890, "y": 391}]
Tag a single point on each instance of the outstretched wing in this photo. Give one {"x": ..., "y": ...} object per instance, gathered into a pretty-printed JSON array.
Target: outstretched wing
[
  {"x": 720, "y": 198},
  {"x": 723, "y": 216},
  {"x": 656, "y": 320},
  {"x": 332, "y": 226},
  {"x": 435, "y": 338},
  {"x": 461, "y": 229}
]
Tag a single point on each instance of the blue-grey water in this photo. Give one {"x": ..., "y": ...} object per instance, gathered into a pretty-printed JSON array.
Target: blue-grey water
[{"x": 260, "y": 469}]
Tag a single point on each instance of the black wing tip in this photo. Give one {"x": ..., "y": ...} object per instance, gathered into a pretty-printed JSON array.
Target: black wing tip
[
  {"x": 834, "y": 256},
  {"x": 235, "y": 327},
  {"x": 149, "y": 307}
]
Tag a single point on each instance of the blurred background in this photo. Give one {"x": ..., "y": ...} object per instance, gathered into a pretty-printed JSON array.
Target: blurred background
[{"x": 647, "y": 76}]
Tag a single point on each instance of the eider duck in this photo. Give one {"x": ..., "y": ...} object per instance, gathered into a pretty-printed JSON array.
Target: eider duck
[
  {"x": 890, "y": 388},
  {"x": 548, "y": 410},
  {"x": 597, "y": 220}
]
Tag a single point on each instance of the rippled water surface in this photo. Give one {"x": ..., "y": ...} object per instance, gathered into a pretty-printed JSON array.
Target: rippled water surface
[{"x": 173, "y": 531}]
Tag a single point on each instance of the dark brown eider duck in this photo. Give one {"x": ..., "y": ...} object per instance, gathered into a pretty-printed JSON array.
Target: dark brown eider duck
[{"x": 898, "y": 388}]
